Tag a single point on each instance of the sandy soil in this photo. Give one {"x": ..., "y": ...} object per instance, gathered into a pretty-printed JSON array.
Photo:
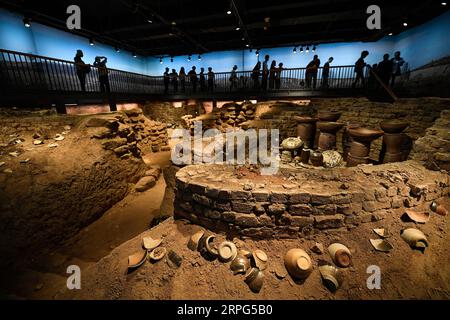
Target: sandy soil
[
  {"x": 44, "y": 276},
  {"x": 406, "y": 273}
]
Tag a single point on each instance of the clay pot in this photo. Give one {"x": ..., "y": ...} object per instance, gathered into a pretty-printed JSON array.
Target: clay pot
[
  {"x": 415, "y": 238},
  {"x": 157, "y": 254},
  {"x": 260, "y": 258},
  {"x": 195, "y": 240},
  {"x": 394, "y": 126},
  {"x": 360, "y": 147},
  {"x": 306, "y": 130},
  {"x": 331, "y": 116},
  {"x": 316, "y": 158},
  {"x": 298, "y": 263},
  {"x": 340, "y": 254},
  {"x": 227, "y": 251},
  {"x": 240, "y": 264},
  {"x": 254, "y": 279},
  {"x": 392, "y": 148},
  {"x": 304, "y": 157},
  {"x": 330, "y": 277},
  {"x": 347, "y": 139},
  {"x": 327, "y": 137},
  {"x": 439, "y": 209}
]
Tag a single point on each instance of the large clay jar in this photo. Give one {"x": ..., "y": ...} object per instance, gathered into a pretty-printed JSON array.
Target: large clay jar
[
  {"x": 305, "y": 155},
  {"x": 393, "y": 140},
  {"x": 327, "y": 137},
  {"x": 347, "y": 139},
  {"x": 298, "y": 264},
  {"x": 360, "y": 148},
  {"x": 316, "y": 158},
  {"x": 306, "y": 130}
]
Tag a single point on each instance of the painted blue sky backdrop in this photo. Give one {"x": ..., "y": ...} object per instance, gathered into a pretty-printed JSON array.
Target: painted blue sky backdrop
[{"x": 419, "y": 45}]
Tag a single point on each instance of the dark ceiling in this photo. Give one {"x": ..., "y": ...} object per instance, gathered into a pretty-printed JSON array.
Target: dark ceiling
[{"x": 181, "y": 27}]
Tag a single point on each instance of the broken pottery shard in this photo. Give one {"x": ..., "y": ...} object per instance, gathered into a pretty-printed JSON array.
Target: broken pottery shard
[
  {"x": 7, "y": 171},
  {"x": 381, "y": 245},
  {"x": 158, "y": 254},
  {"x": 415, "y": 238},
  {"x": 24, "y": 161},
  {"x": 136, "y": 260},
  {"x": 149, "y": 243},
  {"x": 53, "y": 145},
  {"x": 145, "y": 184},
  {"x": 330, "y": 277},
  {"x": 384, "y": 233},
  {"x": 59, "y": 137},
  {"x": 67, "y": 128},
  {"x": 2, "y": 164},
  {"x": 317, "y": 248},
  {"x": 419, "y": 217},
  {"x": 14, "y": 154},
  {"x": 38, "y": 142}
]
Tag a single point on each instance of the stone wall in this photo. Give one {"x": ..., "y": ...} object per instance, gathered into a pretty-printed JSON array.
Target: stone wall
[
  {"x": 171, "y": 113},
  {"x": 301, "y": 202},
  {"x": 434, "y": 148}
]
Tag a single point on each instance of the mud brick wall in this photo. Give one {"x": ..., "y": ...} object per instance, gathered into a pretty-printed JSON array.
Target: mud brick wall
[
  {"x": 333, "y": 199},
  {"x": 434, "y": 148},
  {"x": 166, "y": 112},
  {"x": 20, "y": 121}
]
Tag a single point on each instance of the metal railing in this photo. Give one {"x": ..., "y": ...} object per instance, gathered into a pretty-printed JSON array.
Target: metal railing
[{"x": 25, "y": 72}]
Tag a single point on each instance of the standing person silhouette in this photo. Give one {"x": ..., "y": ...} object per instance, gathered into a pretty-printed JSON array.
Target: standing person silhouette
[
  {"x": 211, "y": 80},
  {"x": 166, "y": 81},
  {"x": 193, "y": 79},
  {"x": 202, "y": 80},
  {"x": 255, "y": 75},
  {"x": 234, "y": 78},
  {"x": 359, "y": 69},
  {"x": 278, "y": 76},
  {"x": 100, "y": 64},
  {"x": 265, "y": 72},
  {"x": 384, "y": 69},
  {"x": 272, "y": 74},
  {"x": 174, "y": 80},
  {"x": 82, "y": 69},
  {"x": 311, "y": 72},
  {"x": 182, "y": 77},
  {"x": 326, "y": 73},
  {"x": 397, "y": 64}
]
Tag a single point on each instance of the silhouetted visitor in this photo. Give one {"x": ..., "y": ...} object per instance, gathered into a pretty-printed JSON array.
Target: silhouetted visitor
[
  {"x": 359, "y": 69},
  {"x": 82, "y": 69},
  {"x": 202, "y": 80},
  {"x": 193, "y": 79},
  {"x": 255, "y": 75},
  {"x": 326, "y": 73},
  {"x": 174, "y": 80},
  {"x": 272, "y": 74},
  {"x": 182, "y": 77},
  {"x": 211, "y": 80},
  {"x": 397, "y": 64},
  {"x": 311, "y": 72},
  {"x": 265, "y": 72},
  {"x": 166, "y": 81},
  {"x": 234, "y": 79},
  {"x": 384, "y": 69},
  {"x": 278, "y": 76},
  {"x": 100, "y": 64},
  {"x": 372, "y": 82}
]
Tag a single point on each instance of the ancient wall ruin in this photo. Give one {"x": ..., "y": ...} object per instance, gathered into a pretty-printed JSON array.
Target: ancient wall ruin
[{"x": 301, "y": 202}]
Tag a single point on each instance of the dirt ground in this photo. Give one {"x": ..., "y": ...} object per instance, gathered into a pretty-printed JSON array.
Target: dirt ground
[
  {"x": 42, "y": 277},
  {"x": 405, "y": 273}
]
